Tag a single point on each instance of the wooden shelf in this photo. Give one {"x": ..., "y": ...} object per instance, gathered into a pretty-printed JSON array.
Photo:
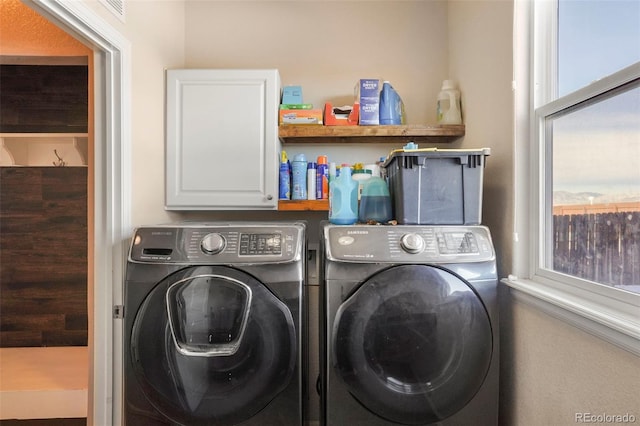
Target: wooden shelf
[
  {"x": 303, "y": 205},
  {"x": 369, "y": 134}
]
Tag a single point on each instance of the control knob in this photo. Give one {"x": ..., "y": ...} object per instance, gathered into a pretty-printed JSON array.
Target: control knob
[
  {"x": 412, "y": 243},
  {"x": 213, "y": 243}
]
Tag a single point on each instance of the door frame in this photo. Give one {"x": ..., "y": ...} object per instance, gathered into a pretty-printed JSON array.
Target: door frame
[{"x": 112, "y": 197}]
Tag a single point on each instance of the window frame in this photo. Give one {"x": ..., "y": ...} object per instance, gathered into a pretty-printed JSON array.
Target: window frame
[{"x": 604, "y": 311}]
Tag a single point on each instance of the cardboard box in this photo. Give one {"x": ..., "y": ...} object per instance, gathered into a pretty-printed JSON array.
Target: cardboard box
[
  {"x": 369, "y": 99},
  {"x": 292, "y": 95},
  {"x": 333, "y": 119},
  {"x": 300, "y": 116}
]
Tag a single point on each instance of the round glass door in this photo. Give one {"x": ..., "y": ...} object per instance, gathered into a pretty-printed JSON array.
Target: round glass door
[
  {"x": 412, "y": 344},
  {"x": 211, "y": 344}
]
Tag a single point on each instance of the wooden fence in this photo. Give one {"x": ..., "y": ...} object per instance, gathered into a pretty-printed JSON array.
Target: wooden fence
[{"x": 602, "y": 247}]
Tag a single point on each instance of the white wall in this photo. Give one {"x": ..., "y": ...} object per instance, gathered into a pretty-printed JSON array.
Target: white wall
[
  {"x": 156, "y": 30},
  {"x": 480, "y": 58},
  {"x": 327, "y": 46},
  {"x": 553, "y": 371}
]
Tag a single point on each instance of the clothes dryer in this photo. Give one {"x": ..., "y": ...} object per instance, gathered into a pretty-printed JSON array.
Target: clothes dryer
[
  {"x": 410, "y": 332},
  {"x": 214, "y": 325}
]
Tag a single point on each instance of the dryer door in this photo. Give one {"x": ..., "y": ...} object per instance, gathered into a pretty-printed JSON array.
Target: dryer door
[
  {"x": 413, "y": 344},
  {"x": 212, "y": 345}
]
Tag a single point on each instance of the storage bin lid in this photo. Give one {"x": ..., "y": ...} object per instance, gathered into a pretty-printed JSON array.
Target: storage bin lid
[{"x": 435, "y": 153}]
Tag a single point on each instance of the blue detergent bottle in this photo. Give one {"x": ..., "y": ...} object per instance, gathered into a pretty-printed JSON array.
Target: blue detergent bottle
[
  {"x": 391, "y": 106},
  {"x": 343, "y": 199},
  {"x": 375, "y": 203}
]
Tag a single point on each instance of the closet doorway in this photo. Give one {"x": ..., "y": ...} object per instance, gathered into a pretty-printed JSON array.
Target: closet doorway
[
  {"x": 109, "y": 178},
  {"x": 46, "y": 200}
]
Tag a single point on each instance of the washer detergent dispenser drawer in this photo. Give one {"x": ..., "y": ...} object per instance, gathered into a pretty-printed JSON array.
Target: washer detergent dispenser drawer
[{"x": 212, "y": 345}]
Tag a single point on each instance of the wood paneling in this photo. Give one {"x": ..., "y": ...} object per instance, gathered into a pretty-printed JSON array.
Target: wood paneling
[
  {"x": 43, "y": 256},
  {"x": 44, "y": 98}
]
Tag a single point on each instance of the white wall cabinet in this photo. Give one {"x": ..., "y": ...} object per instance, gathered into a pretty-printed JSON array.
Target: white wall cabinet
[{"x": 222, "y": 142}]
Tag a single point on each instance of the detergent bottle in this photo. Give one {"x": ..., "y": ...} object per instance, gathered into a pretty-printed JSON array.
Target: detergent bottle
[
  {"x": 448, "y": 107},
  {"x": 391, "y": 106},
  {"x": 343, "y": 198},
  {"x": 375, "y": 203}
]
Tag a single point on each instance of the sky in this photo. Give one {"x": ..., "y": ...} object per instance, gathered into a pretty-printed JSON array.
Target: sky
[
  {"x": 596, "y": 38},
  {"x": 598, "y": 148}
]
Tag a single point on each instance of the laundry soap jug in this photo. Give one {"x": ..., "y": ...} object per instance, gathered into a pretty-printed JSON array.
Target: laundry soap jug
[
  {"x": 391, "y": 106},
  {"x": 343, "y": 198},
  {"x": 448, "y": 107},
  {"x": 375, "y": 202}
]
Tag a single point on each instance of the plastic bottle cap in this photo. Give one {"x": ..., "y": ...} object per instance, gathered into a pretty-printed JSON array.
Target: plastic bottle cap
[
  {"x": 448, "y": 85},
  {"x": 311, "y": 165},
  {"x": 373, "y": 168},
  {"x": 322, "y": 159},
  {"x": 361, "y": 175},
  {"x": 411, "y": 145},
  {"x": 362, "y": 171}
]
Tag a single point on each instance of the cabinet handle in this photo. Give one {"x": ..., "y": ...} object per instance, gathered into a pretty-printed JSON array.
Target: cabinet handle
[{"x": 269, "y": 197}]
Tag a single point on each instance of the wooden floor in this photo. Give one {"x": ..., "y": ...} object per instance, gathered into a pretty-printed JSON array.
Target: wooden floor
[
  {"x": 45, "y": 422},
  {"x": 44, "y": 383}
]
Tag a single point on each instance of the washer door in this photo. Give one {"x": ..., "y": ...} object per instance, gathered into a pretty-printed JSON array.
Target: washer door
[
  {"x": 412, "y": 344},
  {"x": 212, "y": 345}
]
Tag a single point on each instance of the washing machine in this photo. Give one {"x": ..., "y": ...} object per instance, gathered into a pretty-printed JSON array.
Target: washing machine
[
  {"x": 214, "y": 325},
  {"x": 410, "y": 331}
]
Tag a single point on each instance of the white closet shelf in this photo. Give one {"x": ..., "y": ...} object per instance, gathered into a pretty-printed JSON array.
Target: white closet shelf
[{"x": 43, "y": 149}]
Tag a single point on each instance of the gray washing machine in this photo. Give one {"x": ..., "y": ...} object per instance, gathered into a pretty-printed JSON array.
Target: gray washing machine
[
  {"x": 410, "y": 333},
  {"x": 214, "y": 325}
]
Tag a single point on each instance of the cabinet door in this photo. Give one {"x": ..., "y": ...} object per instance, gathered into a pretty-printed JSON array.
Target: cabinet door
[{"x": 222, "y": 139}]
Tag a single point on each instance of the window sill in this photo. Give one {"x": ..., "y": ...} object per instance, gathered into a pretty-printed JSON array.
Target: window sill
[{"x": 611, "y": 319}]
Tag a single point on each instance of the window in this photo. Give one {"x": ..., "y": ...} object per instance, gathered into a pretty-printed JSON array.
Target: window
[
  {"x": 595, "y": 145},
  {"x": 577, "y": 65},
  {"x": 594, "y": 228}
]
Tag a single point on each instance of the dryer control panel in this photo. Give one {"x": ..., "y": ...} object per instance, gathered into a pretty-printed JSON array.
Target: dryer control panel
[
  {"x": 409, "y": 243},
  {"x": 218, "y": 244}
]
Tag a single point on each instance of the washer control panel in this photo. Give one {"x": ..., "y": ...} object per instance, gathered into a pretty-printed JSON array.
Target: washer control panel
[
  {"x": 218, "y": 244},
  {"x": 409, "y": 243},
  {"x": 260, "y": 244}
]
